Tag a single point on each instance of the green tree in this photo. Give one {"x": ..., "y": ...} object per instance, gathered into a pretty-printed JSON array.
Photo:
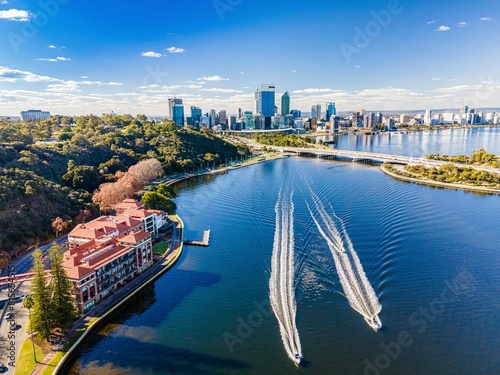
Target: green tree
[
  {"x": 82, "y": 177},
  {"x": 63, "y": 309},
  {"x": 41, "y": 320},
  {"x": 165, "y": 190},
  {"x": 157, "y": 201}
]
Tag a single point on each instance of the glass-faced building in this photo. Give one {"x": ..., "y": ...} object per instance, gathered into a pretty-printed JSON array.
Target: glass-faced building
[{"x": 285, "y": 104}]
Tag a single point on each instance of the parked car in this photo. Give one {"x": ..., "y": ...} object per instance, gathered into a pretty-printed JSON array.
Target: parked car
[{"x": 9, "y": 316}]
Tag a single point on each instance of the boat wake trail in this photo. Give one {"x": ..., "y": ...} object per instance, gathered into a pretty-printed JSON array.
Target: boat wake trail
[
  {"x": 281, "y": 283},
  {"x": 357, "y": 287}
]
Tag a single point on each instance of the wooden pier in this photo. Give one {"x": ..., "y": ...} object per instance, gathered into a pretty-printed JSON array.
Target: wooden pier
[{"x": 204, "y": 242}]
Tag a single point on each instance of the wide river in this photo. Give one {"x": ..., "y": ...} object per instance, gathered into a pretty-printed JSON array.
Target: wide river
[{"x": 431, "y": 255}]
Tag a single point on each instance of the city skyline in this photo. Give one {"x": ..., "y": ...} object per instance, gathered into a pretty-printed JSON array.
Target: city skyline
[{"x": 70, "y": 58}]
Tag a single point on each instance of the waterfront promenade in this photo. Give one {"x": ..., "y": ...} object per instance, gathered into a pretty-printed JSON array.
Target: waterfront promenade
[{"x": 53, "y": 362}]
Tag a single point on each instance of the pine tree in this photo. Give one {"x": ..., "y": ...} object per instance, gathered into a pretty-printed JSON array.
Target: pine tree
[
  {"x": 41, "y": 312},
  {"x": 63, "y": 309}
]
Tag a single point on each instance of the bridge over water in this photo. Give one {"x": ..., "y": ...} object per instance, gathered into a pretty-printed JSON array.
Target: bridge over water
[{"x": 364, "y": 156}]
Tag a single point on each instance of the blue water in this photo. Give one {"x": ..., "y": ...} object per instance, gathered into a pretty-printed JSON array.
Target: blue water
[{"x": 431, "y": 255}]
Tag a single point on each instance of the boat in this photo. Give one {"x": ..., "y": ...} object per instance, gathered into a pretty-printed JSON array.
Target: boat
[
  {"x": 374, "y": 322},
  {"x": 297, "y": 358}
]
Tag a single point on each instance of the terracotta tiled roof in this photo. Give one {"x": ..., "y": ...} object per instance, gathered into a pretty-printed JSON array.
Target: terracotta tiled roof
[
  {"x": 79, "y": 272},
  {"x": 129, "y": 203},
  {"x": 142, "y": 213},
  {"x": 134, "y": 237}
]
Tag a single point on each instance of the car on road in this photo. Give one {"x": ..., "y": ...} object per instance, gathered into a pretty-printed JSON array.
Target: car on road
[{"x": 9, "y": 316}]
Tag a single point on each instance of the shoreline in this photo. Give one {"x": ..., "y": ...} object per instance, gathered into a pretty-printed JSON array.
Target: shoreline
[
  {"x": 166, "y": 262},
  {"x": 470, "y": 188},
  {"x": 246, "y": 163}
]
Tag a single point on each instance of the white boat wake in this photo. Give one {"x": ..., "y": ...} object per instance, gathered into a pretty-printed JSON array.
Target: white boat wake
[
  {"x": 281, "y": 283},
  {"x": 357, "y": 287}
]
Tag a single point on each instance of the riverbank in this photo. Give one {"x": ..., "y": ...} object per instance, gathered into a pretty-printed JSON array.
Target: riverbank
[
  {"x": 254, "y": 160},
  {"x": 473, "y": 188},
  {"x": 55, "y": 361}
]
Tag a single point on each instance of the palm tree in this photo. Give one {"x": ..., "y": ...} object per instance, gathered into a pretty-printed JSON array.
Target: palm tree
[{"x": 28, "y": 303}]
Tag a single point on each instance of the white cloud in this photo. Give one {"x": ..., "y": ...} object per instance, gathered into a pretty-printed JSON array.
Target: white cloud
[
  {"x": 84, "y": 77},
  {"x": 357, "y": 66},
  {"x": 151, "y": 54},
  {"x": 294, "y": 71},
  {"x": 4, "y": 2},
  {"x": 312, "y": 91},
  {"x": 212, "y": 78},
  {"x": 242, "y": 72},
  {"x": 443, "y": 28},
  {"x": 15, "y": 15},
  {"x": 51, "y": 46},
  {"x": 486, "y": 19},
  {"x": 69, "y": 86},
  {"x": 175, "y": 50},
  {"x": 463, "y": 24},
  {"x": 436, "y": 79},
  {"x": 431, "y": 22},
  {"x": 59, "y": 58},
  {"x": 226, "y": 91},
  {"x": 13, "y": 75}
]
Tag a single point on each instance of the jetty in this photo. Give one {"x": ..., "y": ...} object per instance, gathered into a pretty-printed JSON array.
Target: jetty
[{"x": 204, "y": 242}]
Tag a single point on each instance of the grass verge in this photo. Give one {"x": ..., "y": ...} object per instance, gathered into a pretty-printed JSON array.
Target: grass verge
[{"x": 26, "y": 363}]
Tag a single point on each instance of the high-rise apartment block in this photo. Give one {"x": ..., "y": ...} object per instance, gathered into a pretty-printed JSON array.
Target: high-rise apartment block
[{"x": 34, "y": 114}]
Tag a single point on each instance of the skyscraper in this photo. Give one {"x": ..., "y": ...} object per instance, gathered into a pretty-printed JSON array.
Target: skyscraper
[
  {"x": 330, "y": 110},
  {"x": 176, "y": 110},
  {"x": 264, "y": 100},
  {"x": 316, "y": 111},
  {"x": 196, "y": 116},
  {"x": 428, "y": 117},
  {"x": 285, "y": 103}
]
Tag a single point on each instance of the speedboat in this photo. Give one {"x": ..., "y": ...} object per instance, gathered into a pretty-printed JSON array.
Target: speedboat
[
  {"x": 374, "y": 322},
  {"x": 297, "y": 358}
]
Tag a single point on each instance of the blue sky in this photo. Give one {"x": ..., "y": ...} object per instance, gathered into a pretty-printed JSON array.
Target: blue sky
[{"x": 75, "y": 57}]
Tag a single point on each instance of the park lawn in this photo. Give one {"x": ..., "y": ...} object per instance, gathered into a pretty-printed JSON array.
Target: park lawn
[
  {"x": 25, "y": 363},
  {"x": 160, "y": 248}
]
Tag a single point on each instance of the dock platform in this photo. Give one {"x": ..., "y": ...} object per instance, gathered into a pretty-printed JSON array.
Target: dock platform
[{"x": 204, "y": 242}]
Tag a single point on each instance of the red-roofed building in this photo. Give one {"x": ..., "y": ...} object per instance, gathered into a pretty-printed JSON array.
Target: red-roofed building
[
  {"x": 128, "y": 204},
  {"x": 98, "y": 268},
  {"x": 103, "y": 228}
]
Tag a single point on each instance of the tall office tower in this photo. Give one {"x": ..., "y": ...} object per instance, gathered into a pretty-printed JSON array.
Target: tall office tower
[
  {"x": 296, "y": 113},
  {"x": 464, "y": 109},
  {"x": 330, "y": 110},
  {"x": 239, "y": 113},
  {"x": 285, "y": 103},
  {"x": 316, "y": 111},
  {"x": 264, "y": 100},
  {"x": 34, "y": 114},
  {"x": 196, "y": 116},
  {"x": 178, "y": 115},
  {"x": 211, "y": 116},
  {"x": 223, "y": 119},
  {"x": 428, "y": 117},
  {"x": 171, "y": 103}
]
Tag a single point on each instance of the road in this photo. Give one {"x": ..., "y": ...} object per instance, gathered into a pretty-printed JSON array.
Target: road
[
  {"x": 24, "y": 263},
  {"x": 13, "y": 330}
]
